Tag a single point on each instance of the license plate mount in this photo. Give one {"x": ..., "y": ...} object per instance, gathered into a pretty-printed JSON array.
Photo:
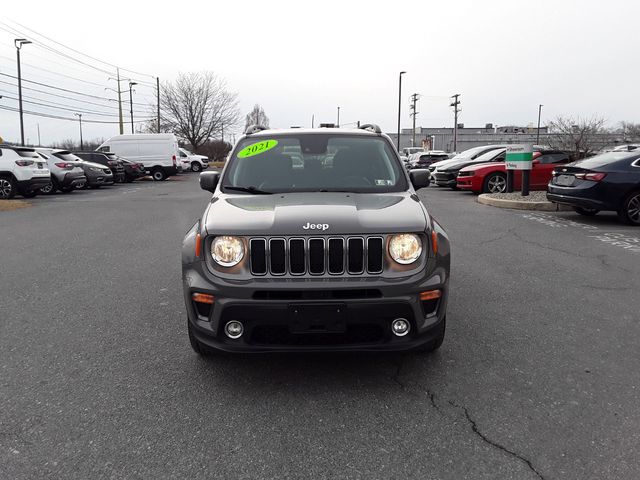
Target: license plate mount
[{"x": 317, "y": 318}]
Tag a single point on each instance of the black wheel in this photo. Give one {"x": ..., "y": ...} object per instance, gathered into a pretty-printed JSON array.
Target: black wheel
[
  {"x": 436, "y": 343},
  {"x": 158, "y": 175},
  {"x": 630, "y": 210},
  {"x": 495, "y": 183},
  {"x": 198, "y": 347},
  {"x": 196, "y": 167},
  {"x": 587, "y": 212},
  {"x": 50, "y": 188},
  {"x": 7, "y": 188},
  {"x": 67, "y": 189}
]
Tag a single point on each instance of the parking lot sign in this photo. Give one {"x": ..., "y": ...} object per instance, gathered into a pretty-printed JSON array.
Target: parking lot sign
[{"x": 519, "y": 157}]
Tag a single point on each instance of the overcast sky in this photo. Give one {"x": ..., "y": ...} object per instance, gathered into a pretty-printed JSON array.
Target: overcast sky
[{"x": 302, "y": 58}]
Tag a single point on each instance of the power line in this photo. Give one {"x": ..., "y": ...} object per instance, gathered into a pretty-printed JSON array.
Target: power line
[
  {"x": 78, "y": 100},
  {"x": 54, "y": 73},
  {"x": 53, "y": 106},
  {"x": 58, "y": 117},
  {"x": 66, "y": 90},
  {"x": 79, "y": 52}
]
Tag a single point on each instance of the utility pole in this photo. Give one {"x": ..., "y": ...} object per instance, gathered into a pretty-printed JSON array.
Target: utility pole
[
  {"x": 338, "y": 123},
  {"x": 539, "y": 114},
  {"x": 456, "y": 110},
  {"x": 222, "y": 132},
  {"x": 399, "y": 106},
  {"x": 120, "y": 104},
  {"x": 313, "y": 119},
  {"x": 39, "y": 144},
  {"x": 131, "y": 84},
  {"x": 19, "y": 42},
  {"x": 79, "y": 115},
  {"x": 158, "y": 100},
  {"x": 412, "y": 107}
]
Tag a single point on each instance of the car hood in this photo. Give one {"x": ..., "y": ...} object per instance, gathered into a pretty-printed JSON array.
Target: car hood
[{"x": 336, "y": 213}]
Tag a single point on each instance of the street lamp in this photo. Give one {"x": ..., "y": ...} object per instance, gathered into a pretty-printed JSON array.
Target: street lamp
[
  {"x": 131, "y": 84},
  {"x": 399, "y": 106},
  {"x": 79, "y": 115},
  {"x": 19, "y": 42},
  {"x": 539, "y": 114}
]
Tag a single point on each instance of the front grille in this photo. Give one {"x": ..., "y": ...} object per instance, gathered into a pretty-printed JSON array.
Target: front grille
[
  {"x": 444, "y": 176},
  {"x": 316, "y": 255},
  {"x": 281, "y": 335}
]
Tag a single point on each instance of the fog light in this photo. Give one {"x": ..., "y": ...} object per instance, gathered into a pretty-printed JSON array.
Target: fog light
[
  {"x": 234, "y": 329},
  {"x": 400, "y": 327}
]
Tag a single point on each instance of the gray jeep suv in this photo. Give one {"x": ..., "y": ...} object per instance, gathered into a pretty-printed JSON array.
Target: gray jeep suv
[{"x": 315, "y": 240}]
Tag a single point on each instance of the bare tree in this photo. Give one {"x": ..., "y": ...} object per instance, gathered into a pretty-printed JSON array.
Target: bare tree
[
  {"x": 197, "y": 107},
  {"x": 257, "y": 117},
  {"x": 630, "y": 131},
  {"x": 582, "y": 136}
]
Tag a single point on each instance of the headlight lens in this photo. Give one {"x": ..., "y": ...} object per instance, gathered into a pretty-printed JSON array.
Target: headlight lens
[
  {"x": 405, "y": 248},
  {"x": 227, "y": 251}
]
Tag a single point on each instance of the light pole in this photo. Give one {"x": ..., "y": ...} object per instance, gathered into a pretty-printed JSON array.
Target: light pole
[
  {"x": 131, "y": 84},
  {"x": 338, "y": 123},
  {"x": 19, "y": 42},
  {"x": 399, "y": 106},
  {"x": 539, "y": 114},
  {"x": 79, "y": 115}
]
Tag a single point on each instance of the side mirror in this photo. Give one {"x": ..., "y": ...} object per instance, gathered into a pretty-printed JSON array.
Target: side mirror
[
  {"x": 209, "y": 181},
  {"x": 420, "y": 178},
  {"x": 535, "y": 161}
]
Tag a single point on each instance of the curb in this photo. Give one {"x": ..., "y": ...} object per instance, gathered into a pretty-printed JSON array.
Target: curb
[{"x": 485, "y": 199}]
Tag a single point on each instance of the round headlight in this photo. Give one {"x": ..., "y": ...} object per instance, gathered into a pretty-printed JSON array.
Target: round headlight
[
  {"x": 227, "y": 251},
  {"x": 405, "y": 248}
]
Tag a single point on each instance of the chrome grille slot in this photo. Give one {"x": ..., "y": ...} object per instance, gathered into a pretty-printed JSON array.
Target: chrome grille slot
[
  {"x": 296, "y": 256},
  {"x": 316, "y": 256},
  {"x": 374, "y": 254},
  {"x": 336, "y": 255},
  {"x": 355, "y": 252},
  {"x": 258, "y": 256},
  {"x": 277, "y": 256}
]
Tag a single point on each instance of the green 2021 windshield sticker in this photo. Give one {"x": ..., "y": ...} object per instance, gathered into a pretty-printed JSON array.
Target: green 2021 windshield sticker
[{"x": 257, "y": 148}]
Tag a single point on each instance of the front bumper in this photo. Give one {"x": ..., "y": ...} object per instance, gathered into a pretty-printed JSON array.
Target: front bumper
[
  {"x": 445, "y": 179},
  {"x": 96, "y": 179},
  {"x": 364, "y": 309}
]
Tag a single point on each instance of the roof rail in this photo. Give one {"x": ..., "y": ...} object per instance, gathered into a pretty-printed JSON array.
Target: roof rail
[
  {"x": 254, "y": 129},
  {"x": 371, "y": 127}
]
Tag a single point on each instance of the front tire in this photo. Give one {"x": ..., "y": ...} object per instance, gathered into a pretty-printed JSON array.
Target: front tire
[
  {"x": 7, "y": 188},
  {"x": 196, "y": 167},
  {"x": 587, "y": 212},
  {"x": 630, "y": 210},
  {"x": 158, "y": 175},
  {"x": 495, "y": 183},
  {"x": 29, "y": 194}
]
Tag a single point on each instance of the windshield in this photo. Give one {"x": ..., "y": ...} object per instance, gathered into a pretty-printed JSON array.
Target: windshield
[
  {"x": 490, "y": 155},
  {"x": 471, "y": 152},
  {"x": 315, "y": 162}
]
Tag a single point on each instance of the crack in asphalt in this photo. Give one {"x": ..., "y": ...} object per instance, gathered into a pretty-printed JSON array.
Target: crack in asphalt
[
  {"x": 396, "y": 379},
  {"x": 476, "y": 430}
]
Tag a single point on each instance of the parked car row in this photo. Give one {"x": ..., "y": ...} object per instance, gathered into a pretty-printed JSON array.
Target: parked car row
[
  {"x": 29, "y": 171},
  {"x": 606, "y": 182}
]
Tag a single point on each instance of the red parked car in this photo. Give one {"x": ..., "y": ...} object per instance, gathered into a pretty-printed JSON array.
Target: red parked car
[{"x": 492, "y": 177}]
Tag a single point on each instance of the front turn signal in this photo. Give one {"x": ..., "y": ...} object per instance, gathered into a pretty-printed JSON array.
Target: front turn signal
[
  {"x": 203, "y": 298},
  {"x": 198, "y": 245},
  {"x": 430, "y": 295},
  {"x": 434, "y": 242}
]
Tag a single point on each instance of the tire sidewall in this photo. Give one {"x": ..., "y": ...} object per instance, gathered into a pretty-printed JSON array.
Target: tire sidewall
[
  {"x": 196, "y": 167},
  {"x": 12, "y": 185},
  {"x": 485, "y": 187},
  {"x": 158, "y": 175},
  {"x": 623, "y": 213}
]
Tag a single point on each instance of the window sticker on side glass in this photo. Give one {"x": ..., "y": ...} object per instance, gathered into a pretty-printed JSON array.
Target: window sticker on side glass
[
  {"x": 384, "y": 182},
  {"x": 257, "y": 148}
]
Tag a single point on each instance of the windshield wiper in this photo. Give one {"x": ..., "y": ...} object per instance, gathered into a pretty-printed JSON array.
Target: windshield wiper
[{"x": 254, "y": 190}]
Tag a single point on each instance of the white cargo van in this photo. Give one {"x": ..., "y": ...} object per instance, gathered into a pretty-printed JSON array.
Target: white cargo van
[{"x": 158, "y": 152}]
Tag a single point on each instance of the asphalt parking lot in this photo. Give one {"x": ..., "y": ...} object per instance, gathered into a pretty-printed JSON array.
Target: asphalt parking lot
[{"x": 538, "y": 376}]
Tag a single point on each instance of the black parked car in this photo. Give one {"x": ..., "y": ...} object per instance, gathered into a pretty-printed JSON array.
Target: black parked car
[
  {"x": 106, "y": 159},
  {"x": 610, "y": 181},
  {"x": 132, "y": 170}
]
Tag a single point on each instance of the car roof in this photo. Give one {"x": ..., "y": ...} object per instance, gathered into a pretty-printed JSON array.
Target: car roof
[{"x": 314, "y": 131}]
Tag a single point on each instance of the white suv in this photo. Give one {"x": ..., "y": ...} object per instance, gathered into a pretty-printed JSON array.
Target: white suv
[
  {"x": 22, "y": 171},
  {"x": 193, "y": 162}
]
